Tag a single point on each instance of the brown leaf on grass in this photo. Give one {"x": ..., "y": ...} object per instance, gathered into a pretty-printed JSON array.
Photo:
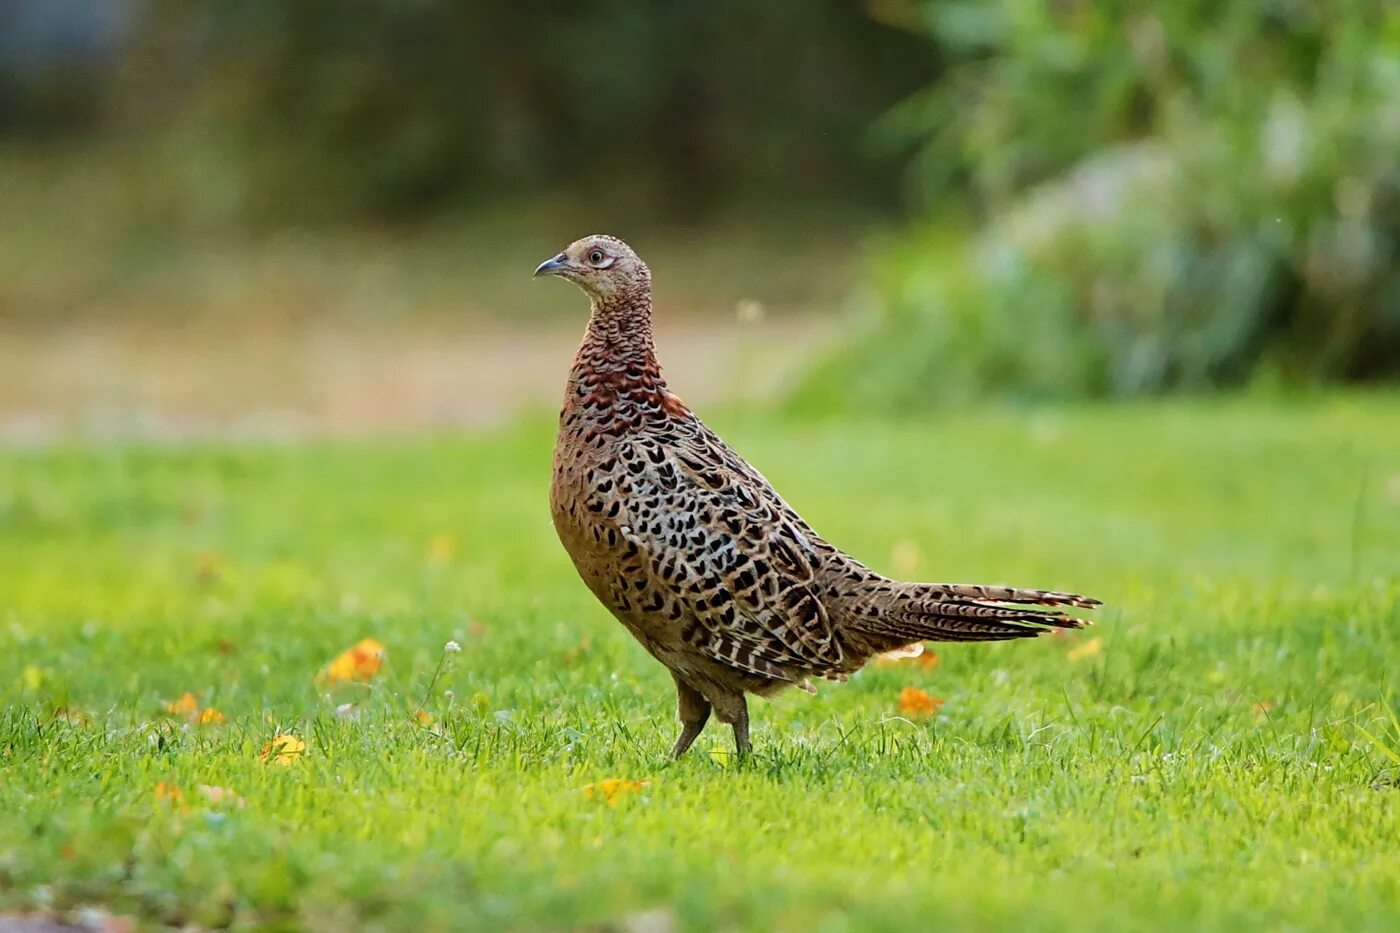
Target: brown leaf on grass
[
  {"x": 916, "y": 702},
  {"x": 359, "y": 663},
  {"x": 610, "y": 790},
  {"x": 284, "y": 749}
]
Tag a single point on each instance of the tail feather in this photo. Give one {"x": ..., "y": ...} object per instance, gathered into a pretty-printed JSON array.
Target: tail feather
[
  {"x": 960, "y": 612},
  {"x": 1005, "y": 594}
]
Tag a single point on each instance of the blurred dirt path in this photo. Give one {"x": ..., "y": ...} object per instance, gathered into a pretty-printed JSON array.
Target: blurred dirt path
[{"x": 316, "y": 379}]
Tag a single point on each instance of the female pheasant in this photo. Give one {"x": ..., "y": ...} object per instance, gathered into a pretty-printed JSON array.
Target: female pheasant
[{"x": 696, "y": 554}]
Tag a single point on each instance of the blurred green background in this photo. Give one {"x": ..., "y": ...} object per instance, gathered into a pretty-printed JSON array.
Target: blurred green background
[{"x": 217, "y": 208}]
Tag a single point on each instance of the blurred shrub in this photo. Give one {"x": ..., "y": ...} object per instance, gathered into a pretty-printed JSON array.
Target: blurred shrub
[
  {"x": 1196, "y": 195},
  {"x": 322, "y": 110}
]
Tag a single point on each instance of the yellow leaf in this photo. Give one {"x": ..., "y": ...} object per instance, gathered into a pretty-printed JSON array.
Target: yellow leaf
[
  {"x": 610, "y": 789},
  {"x": 1087, "y": 650},
  {"x": 186, "y": 706},
  {"x": 360, "y": 663},
  {"x": 441, "y": 547},
  {"x": 423, "y": 718},
  {"x": 211, "y": 717},
  {"x": 33, "y": 678},
  {"x": 283, "y": 749},
  {"x": 916, "y": 702},
  {"x": 723, "y": 757}
]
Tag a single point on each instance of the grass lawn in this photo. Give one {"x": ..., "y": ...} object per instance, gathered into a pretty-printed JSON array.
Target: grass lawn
[{"x": 1220, "y": 751}]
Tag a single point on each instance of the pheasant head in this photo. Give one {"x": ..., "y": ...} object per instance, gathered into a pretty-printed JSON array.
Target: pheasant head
[{"x": 604, "y": 267}]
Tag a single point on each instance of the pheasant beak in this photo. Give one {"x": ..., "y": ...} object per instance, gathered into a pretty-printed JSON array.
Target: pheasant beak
[{"x": 559, "y": 265}]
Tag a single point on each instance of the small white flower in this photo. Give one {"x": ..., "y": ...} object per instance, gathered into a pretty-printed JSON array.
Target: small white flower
[{"x": 452, "y": 647}]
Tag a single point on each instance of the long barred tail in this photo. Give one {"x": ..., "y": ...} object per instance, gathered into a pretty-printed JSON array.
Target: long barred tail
[{"x": 959, "y": 612}]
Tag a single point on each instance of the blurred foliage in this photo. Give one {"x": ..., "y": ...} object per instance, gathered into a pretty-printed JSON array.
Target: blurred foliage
[
  {"x": 319, "y": 111},
  {"x": 1195, "y": 195}
]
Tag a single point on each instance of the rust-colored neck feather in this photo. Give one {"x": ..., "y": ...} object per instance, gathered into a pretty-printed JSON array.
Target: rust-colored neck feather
[
  {"x": 618, "y": 339},
  {"x": 616, "y": 379}
]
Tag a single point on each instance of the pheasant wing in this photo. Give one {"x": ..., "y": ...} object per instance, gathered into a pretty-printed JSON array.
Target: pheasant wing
[{"x": 718, "y": 541}]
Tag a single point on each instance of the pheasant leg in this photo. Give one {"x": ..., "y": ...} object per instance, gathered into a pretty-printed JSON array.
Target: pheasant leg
[
  {"x": 734, "y": 710},
  {"x": 694, "y": 711}
]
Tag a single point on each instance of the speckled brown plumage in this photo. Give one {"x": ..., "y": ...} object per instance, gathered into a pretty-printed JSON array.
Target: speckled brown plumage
[{"x": 696, "y": 554}]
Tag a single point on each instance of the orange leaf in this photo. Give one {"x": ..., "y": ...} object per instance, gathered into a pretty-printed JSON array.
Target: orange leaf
[
  {"x": 610, "y": 789},
  {"x": 283, "y": 749},
  {"x": 169, "y": 792},
  {"x": 1263, "y": 706},
  {"x": 186, "y": 706},
  {"x": 358, "y": 663},
  {"x": 211, "y": 717},
  {"x": 916, "y": 702},
  {"x": 928, "y": 660},
  {"x": 1087, "y": 650},
  {"x": 423, "y": 718}
]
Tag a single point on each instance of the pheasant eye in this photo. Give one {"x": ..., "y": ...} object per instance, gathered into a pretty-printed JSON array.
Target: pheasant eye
[{"x": 596, "y": 257}]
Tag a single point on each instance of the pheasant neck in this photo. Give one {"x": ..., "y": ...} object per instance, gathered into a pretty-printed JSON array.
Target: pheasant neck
[{"x": 619, "y": 337}]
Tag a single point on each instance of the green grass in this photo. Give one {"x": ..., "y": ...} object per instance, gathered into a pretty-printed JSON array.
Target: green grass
[{"x": 1247, "y": 552}]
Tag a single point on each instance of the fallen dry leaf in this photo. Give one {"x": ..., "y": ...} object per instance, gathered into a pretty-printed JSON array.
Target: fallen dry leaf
[
  {"x": 360, "y": 663},
  {"x": 187, "y": 705},
  {"x": 916, "y": 702},
  {"x": 211, "y": 717},
  {"x": 284, "y": 749},
  {"x": 610, "y": 789},
  {"x": 168, "y": 793},
  {"x": 1263, "y": 706},
  {"x": 1088, "y": 649},
  {"x": 423, "y": 718}
]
